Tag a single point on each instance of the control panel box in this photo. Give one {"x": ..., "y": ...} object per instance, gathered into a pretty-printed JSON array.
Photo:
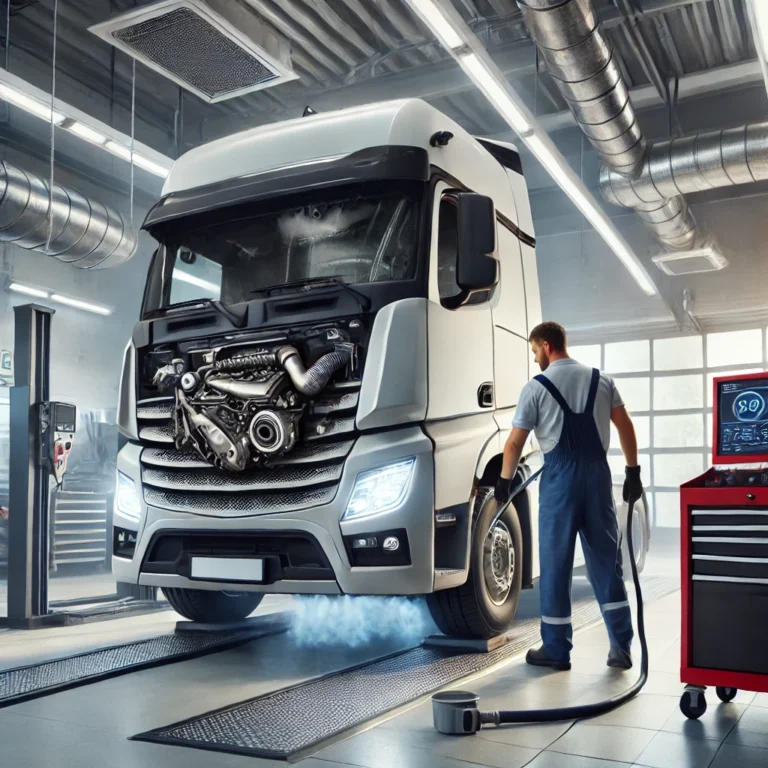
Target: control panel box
[
  {"x": 724, "y": 545},
  {"x": 740, "y": 410}
]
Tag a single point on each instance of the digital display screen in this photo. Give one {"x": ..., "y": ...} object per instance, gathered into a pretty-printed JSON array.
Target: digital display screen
[
  {"x": 64, "y": 418},
  {"x": 743, "y": 417}
]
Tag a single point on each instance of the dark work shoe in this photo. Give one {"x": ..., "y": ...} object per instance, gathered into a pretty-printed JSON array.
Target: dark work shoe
[
  {"x": 538, "y": 657},
  {"x": 619, "y": 659}
]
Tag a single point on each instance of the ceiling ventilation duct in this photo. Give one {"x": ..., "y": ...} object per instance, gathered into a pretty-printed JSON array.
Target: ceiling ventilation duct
[
  {"x": 690, "y": 262},
  {"x": 84, "y": 232},
  {"x": 583, "y": 65},
  {"x": 217, "y": 49}
]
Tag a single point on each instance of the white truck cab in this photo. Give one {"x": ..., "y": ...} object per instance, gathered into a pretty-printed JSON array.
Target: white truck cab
[{"x": 332, "y": 342}]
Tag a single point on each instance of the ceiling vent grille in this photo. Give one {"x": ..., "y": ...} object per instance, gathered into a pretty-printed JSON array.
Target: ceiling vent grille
[
  {"x": 690, "y": 262},
  {"x": 217, "y": 49}
]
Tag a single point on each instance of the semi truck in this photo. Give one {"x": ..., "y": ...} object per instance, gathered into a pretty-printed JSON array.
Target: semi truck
[{"x": 333, "y": 337}]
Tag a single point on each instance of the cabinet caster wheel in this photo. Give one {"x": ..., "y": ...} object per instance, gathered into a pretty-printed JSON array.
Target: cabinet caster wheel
[
  {"x": 726, "y": 694},
  {"x": 693, "y": 704}
]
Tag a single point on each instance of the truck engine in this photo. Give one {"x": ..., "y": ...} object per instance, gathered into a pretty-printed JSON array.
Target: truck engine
[{"x": 241, "y": 405}]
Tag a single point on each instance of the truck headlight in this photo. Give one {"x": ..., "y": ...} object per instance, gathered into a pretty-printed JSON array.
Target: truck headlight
[
  {"x": 127, "y": 498},
  {"x": 380, "y": 490}
]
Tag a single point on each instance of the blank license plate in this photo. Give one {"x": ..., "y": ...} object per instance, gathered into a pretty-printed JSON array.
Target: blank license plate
[{"x": 227, "y": 569}]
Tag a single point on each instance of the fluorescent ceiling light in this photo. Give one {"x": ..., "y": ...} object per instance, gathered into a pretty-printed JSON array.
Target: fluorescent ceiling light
[
  {"x": 86, "y": 132},
  {"x": 150, "y": 165},
  {"x": 29, "y": 104},
  {"x": 26, "y": 96},
  {"x": 596, "y": 216},
  {"x": 436, "y": 21},
  {"x": 124, "y": 153},
  {"x": 185, "y": 277},
  {"x": 495, "y": 92},
  {"x": 28, "y": 290},
  {"x": 78, "y": 304},
  {"x": 119, "y": 150}
]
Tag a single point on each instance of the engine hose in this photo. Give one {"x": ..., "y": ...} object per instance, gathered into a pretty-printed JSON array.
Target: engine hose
[
  {"x": 311, "y": 381},
  {"x": 247, "y": 362},
  {"x": 472, "y": 720}
]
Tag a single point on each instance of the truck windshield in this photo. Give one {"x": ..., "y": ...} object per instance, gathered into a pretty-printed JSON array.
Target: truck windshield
[{"x": 355, "y": 238}]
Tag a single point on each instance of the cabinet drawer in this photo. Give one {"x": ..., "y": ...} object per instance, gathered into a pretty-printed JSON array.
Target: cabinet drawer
[{"x": 730, "y": 624}]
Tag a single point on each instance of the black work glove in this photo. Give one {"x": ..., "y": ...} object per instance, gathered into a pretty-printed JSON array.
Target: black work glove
[
  {"x": 501, "y": 492},
  {"x": 633, "y": 485}
]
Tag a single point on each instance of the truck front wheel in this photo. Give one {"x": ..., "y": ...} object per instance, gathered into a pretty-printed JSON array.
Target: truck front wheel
[
  {"x": 485, "y": 606},
  {"x": 212, "y": 607}
]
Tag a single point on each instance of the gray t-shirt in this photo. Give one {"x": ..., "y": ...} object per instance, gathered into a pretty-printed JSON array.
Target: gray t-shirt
[{"x": 537, "y": 410}]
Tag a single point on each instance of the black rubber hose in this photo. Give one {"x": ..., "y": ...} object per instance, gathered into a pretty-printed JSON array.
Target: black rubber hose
[{"x": 599, "y": 707}]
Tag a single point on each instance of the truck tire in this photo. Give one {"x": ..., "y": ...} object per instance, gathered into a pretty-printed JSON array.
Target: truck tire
[
  {"x": 486, "y": 604},
  {"x": 212, "y": 607}
]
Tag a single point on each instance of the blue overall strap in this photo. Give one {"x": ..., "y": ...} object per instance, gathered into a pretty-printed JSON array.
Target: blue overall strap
[
  {"x": 592, "y": 391},
  {"x": 553, "y": 390}
]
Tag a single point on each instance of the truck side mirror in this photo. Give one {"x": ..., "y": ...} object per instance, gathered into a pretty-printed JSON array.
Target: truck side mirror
[{"x": 477, "y": 269}]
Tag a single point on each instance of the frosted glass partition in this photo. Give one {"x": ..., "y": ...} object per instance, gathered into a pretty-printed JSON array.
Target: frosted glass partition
[
  {"x": 635, "y": 392},
  {"x": 589, "y": 354},
  {"x": 677, "y": 393},
  {"x": 667, "y": 509},
  {"x": 627, "y": 356},
  {"x": 674, "y": 469},
  {"x": 734, "y": 348},
  {"x": 642, "y": 430},
  {"x": 681, "y": 431},
  {"x": 666, "y": 384},
  {"x": 678, "y": 354}
]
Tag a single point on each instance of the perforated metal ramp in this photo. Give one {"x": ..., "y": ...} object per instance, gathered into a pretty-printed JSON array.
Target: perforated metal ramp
[
  {"x": 283, "y": 723},
  {"x": 31, "y": 682}
]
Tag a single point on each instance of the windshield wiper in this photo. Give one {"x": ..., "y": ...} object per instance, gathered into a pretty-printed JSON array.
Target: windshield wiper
[{"x": 309, "y": 283}]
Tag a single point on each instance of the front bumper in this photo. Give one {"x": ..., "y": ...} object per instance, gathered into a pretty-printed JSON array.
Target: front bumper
[{"x": 321, "y": 523}]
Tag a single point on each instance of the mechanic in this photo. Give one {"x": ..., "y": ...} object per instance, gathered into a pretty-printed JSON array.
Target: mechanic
[{"x": 570, "y": 406}]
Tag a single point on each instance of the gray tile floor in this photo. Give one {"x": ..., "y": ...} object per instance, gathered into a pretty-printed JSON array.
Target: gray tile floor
[{"x": 89, "y": 726}]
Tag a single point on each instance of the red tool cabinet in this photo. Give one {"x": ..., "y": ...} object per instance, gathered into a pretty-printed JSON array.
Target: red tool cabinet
[{"x": 724, "y": 554}]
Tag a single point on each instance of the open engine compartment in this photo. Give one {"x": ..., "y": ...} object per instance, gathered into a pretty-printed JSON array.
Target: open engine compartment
[{"x": 243, "y": 401}]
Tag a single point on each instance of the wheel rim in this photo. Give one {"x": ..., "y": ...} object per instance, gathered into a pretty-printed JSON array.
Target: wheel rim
[{"x": 498, "y": 563}]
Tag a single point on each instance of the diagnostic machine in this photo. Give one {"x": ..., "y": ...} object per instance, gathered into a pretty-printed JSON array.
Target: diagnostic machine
[{"x": 724, "y": 551}]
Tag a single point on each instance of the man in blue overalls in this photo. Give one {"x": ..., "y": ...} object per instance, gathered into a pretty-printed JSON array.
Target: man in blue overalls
[{"x": 570, "y": 408}]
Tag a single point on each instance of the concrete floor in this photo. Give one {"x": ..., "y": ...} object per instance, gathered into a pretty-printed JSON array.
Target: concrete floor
[{"x": 89, "y": 726}]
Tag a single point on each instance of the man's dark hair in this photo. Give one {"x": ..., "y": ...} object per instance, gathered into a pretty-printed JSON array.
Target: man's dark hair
[{"x": 552, "y": 333}]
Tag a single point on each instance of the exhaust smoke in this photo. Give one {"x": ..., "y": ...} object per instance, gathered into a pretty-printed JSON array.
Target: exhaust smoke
[{"x": 357, "y": 621}]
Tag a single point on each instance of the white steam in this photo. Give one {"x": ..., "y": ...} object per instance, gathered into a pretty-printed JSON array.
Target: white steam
[
  {"x": 357, "y": 621},
  {"x": 334, "y": 220}
]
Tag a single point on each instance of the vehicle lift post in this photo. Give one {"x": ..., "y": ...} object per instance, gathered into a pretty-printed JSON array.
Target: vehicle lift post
[{"x": 28, "y": 498}]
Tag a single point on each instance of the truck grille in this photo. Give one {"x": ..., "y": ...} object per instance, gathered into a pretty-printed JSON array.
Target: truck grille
[{"x": 307, "y": 476}]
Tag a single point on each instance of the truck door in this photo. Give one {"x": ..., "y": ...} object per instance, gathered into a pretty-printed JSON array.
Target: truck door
[
  {"x": 510, "y": 328},
  {"x": 512, "y": 356},
  {"x": 460, "y": 416}
]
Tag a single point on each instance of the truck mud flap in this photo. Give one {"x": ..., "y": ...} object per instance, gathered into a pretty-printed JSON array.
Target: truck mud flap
[
  {"x": 285, "y": 723},
  {"x": 37, "y": 680}
]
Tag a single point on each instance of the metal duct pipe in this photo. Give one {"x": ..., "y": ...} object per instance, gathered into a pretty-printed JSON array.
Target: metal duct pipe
[
  {"x": 85, "y": 232},
  {"x": 692, "y": 164},
  {"x": 584, "y": 66}
]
